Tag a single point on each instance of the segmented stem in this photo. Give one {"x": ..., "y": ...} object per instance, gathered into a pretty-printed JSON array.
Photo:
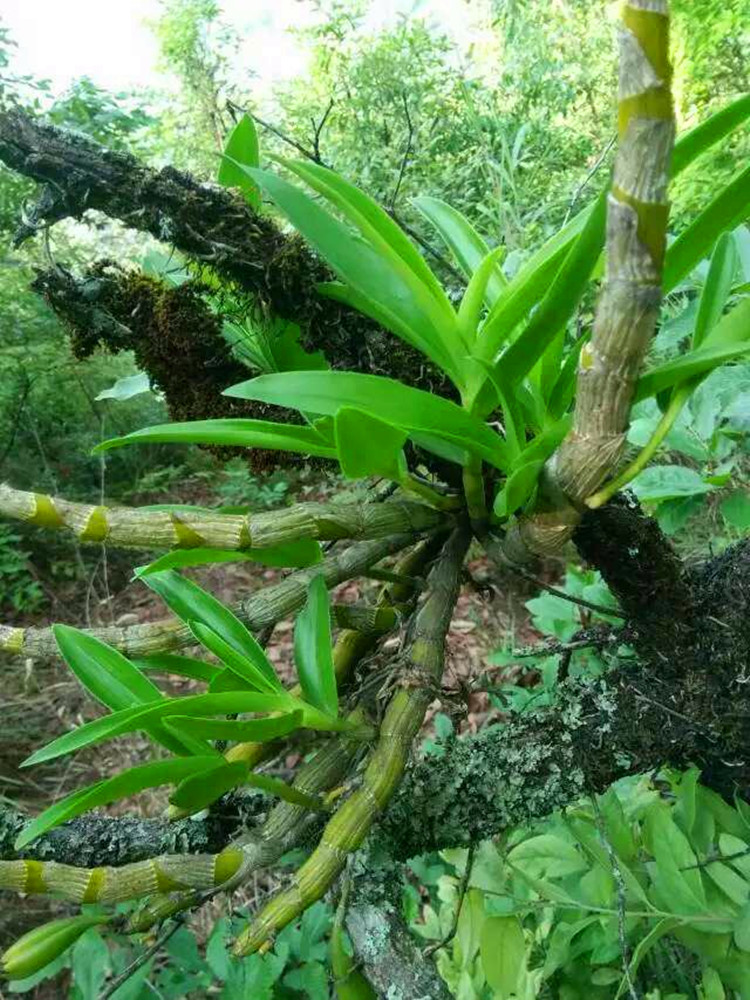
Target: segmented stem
[
  {"x": 178, "y": 872},
  {"x": 167, "y": 873},
  {"x": 403, "y": 718},
  {"x": 628, "y": 306},
  {"x": 262, "y": 609},
  {"x": 133, "y": 528}
]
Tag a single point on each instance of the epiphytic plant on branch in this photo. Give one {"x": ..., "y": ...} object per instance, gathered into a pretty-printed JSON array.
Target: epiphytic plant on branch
[{"x": 514, "y": 437}]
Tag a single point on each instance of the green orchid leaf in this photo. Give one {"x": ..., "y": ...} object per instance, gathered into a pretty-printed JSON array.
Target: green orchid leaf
[
  {"x": 725, "y": 343},
  {"x": 116, "y": 682},
  {"x": 464, "y": 242},
  {"x": 131, "y": 720},
  {"x": 199, "y": 790},
  {"x": 182, "y": 666},
  {"x": 414, "y": 313},
  {"x": 191, "y": 603},
  {"x": 517, "y": 489},
  {"x": 313, "y": 651},
  {"x": 717, "y": 287},
  {"x": 298, "y": 554},
  {"x": 235, "y": 433},
  {"x": 242, "y": 150},
  {"x": 386, "y": 399},
  {"x": 238, "y": 730},
  {"x": 475, "y": 295},
  {"x": 368, "y": 446},
  {"x": 372, "y": 221},
  {"x": 253, "y": 667},
  {"x": 727, "y": 210},
  {"x": 101, "y": 793}
]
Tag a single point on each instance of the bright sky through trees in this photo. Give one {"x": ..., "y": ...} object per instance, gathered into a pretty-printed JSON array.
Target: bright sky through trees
[{"x": 112, "y": 44}]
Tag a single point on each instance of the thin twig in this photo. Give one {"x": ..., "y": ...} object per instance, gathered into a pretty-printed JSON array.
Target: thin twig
[
  {"x": 462, "y": 889},
  {"x": 310, "y": 154},
  {"x": 718, "y": 857},
  {"x": 668, "y": 710},
  {"x": 140, "y": 961},
  {"x": 314, "y": 155},
  {"x": 621, "y": 899},
  {"x": 586, "y": 180},
  {"x": 600, "y": 609},
  {"x": 405, "y": 157},
  {"x": 588, "y": 639},
  {"x": 319, "y": 129}
]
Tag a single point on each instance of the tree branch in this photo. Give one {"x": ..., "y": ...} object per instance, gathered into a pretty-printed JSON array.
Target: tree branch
[
  {"x": 688, "y": 707},
  {"x": 95, "y": 839},
  {"x": 209, "y": 224},
  {"x": 390, "y": 957}
]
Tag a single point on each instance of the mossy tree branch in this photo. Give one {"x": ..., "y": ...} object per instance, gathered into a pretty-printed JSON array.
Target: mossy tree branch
[{"x": 213, "y": 226}]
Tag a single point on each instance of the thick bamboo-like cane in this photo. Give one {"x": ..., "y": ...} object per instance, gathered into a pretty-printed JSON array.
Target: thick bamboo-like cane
[
  {"x": 133, "y": 528},
  {"x": 403, "y": 718},
  {"x": 264, "y": 608},
  {"x": 628, "y": 305}
]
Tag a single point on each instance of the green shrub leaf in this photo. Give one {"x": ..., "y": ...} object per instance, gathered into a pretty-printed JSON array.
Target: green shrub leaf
[{"x": 503, "y": 952}]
